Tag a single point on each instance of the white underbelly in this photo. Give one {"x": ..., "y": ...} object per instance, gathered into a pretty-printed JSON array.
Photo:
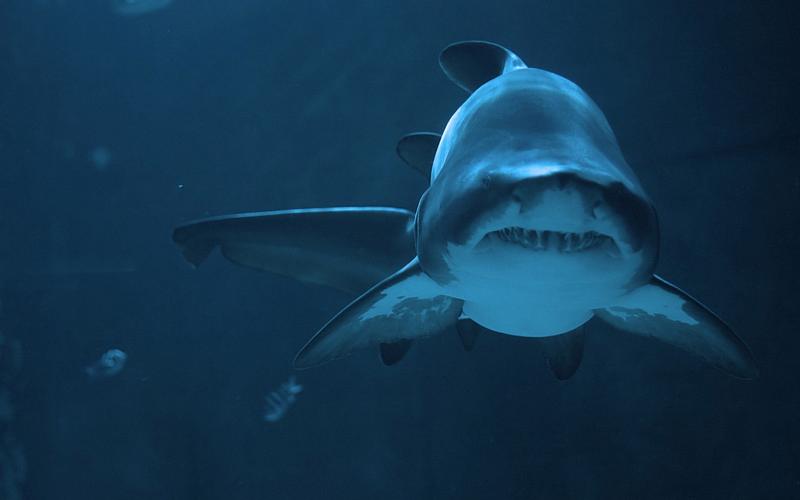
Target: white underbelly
[
  {"x": 535, "y": 293},
  {"x": 526, "y": 319},
  {"x": 531, "y": 308}
]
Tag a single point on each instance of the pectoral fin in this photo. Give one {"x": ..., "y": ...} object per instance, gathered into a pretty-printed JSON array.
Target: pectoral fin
[
  {"x": 407, "y": 305},
  {"x": 471, "y": 64},
  {"x": 349, "y": 248},
  {"x": 664, "y": 312}
]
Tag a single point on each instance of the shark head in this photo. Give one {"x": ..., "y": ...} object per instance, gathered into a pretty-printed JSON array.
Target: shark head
[{"x": 530, "y": 196}]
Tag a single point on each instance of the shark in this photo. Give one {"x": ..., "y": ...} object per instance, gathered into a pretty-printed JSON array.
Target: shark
[{"x": 532, "y": 225}]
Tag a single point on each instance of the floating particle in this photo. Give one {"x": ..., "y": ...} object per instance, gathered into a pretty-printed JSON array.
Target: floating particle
[
  {"x": 279, "y": 401},
  {"x": 100, "y": 157},
  {"x": 110, "y": 363}
]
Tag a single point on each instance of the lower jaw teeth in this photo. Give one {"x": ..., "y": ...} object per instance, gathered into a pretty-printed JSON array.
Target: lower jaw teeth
[{"x": 545, "y": 240}]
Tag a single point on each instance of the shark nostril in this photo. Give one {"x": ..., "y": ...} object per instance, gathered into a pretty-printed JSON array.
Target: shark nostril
[
  {"x": 517, "y": 196},
  {"x": 595, "y": 208},
  {"x": 488, "y": 180}
]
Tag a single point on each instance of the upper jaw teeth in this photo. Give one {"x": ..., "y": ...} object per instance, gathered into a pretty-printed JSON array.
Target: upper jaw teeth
[{"x": 544, "y": 240}]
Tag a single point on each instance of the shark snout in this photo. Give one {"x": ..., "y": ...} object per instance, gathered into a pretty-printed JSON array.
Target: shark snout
[
  {"x": 544, "y": 201},
  {"x": 555, "y": 200}
]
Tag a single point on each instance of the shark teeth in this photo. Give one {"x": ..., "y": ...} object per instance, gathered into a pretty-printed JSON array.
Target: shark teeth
[{"x": 550, "y": 240}]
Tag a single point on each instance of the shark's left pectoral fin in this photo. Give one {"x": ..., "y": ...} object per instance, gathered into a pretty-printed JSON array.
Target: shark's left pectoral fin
[
  {"x": 665, "y": 312},
  {"x": 405, "y": 306}
]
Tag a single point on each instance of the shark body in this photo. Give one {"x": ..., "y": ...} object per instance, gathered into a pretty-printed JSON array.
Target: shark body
[{"x": 532, "y": 225}]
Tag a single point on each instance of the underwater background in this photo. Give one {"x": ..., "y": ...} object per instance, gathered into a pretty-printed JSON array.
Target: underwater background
[{"x": 117, "y": 125}]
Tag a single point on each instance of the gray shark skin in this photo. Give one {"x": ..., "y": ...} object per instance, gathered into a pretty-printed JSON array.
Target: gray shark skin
[{"x": 533, "y": 225}]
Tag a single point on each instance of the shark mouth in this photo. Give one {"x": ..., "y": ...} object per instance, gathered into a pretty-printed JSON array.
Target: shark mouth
[{"x": 536, "y": 240}]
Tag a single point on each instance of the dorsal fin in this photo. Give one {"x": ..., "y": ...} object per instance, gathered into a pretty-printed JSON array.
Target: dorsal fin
[
  {"x": 563, "y": 352},
  {"x": 418, "y": 149},
  {"x": 470, "y": 64}
]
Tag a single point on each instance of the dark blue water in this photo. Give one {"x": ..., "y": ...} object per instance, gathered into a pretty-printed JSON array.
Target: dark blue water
[{"x": 114, "y": 129}]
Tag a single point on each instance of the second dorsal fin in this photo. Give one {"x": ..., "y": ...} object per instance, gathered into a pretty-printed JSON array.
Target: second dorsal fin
[
  {"x": 470, "y": 64},
  {"x": 417, "y": 150}
]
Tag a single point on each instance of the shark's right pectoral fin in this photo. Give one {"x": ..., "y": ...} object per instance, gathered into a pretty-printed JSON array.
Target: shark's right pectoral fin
[
  {"x": 405, "y": 306},
  {"x": 664, "y": 312}
]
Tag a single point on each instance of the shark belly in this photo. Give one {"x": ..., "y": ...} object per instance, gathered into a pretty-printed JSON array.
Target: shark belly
[
  {"x": 526, "y": 319},
  {"x": 533, "y": 309},
  {"x": 523, "y": 285}
]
